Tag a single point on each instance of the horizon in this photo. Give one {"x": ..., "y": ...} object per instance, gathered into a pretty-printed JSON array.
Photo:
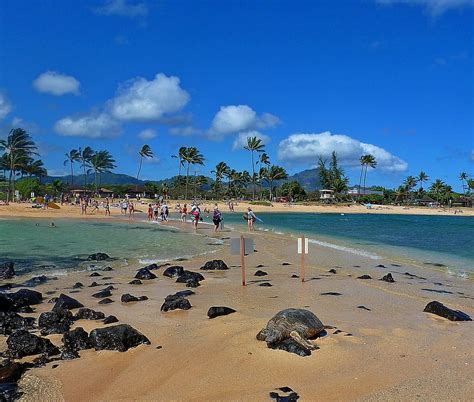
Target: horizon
[{"x": 387, "y": 77}]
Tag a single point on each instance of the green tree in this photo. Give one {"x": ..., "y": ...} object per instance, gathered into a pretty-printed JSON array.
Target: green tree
[
  {"x": 180, "y": 158},
  {"x": 366, "y": 161},
  {"x": 71, "y": 157},
  {"x": 422, "y": 178},
  {"x": 27, "y": 186},
  {"x": 85, "y": 156},
  {"x": 145, "y": 152},
  {"x": 463, "y": 178},
  {"x": 220, "y": 171},
  {"x": 275, "y": 173},
  {"x": 293, "y": 190},
  {"x": 409, "y": 183},
  {"x": 191, "y": 156},
  {"x": 254, "y": 144},
  {"x": 437, "y": 188},
  {"x": 101, "y": 162}
]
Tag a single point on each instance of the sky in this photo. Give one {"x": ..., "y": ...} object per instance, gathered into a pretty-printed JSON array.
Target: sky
[{"x": 394, "y": 78}]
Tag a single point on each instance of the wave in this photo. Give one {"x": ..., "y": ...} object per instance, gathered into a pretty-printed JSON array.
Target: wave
[{"x": 362, "y": 253}]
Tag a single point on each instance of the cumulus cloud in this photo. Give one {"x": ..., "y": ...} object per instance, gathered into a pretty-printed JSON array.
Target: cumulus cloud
[
  {"x": 122, "y": 8},
  {"x": 147, "y": 134},
  {"x": 306, "y": 148},
  {"x": 236, "y": 118},
  {"x": 5, "y": 105},
  {"x": 434, "y": 7},
  {"x": 54, "y": 83},
  {"x": 241, "y": 140},
  {"x": 90, "y": 126},
  {"x": 142, "y": 100},
  {"x": 185, "y": 131}
]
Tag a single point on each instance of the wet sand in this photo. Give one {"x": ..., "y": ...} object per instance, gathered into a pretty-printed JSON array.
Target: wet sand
[{"x": 393, "y": 352}]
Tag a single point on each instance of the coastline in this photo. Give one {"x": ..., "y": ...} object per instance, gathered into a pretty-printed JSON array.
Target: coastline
[{"x": 239, "y": 367}]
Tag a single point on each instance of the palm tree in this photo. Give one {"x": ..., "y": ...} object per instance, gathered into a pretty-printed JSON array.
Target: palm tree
[
  {"x": 71, "y": 157},
  {"x": 18, "y": 146},
  {"x": 220, "y": 171},
  {"x": 181, "y": 152},
  {"x": 191, "y": 156},
  {"x": 463, "y": 178},
  {"x": 254, "y": 144},
  {"x": 366, "y": 161},
  {"x": 409, "y": 183},
  {"x": 470, "y": 184},
  {"x": 400, "y": 193},
  {"x": 436, "y": 188},
  {"x": 85, "y": 156},
  {"x": 145, "y": 152},
  {"x": 35, "y": 168},
  {"x": 422, "y": 177},
  {"x": 101, "y": 162},
  {"x": 275, "y": 173}
]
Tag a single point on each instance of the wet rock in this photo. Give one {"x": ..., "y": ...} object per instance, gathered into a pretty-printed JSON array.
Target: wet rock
[
  {"x": 331, "y": 294},
  {"x": 286, "y": 395},
  {"x": 285, "y": 263},
  {"x": 190, "y": 283},
  {"x": 110, "y": 319},
  {"x": 260, "y": 266},
  {"x": 21, "y": 343},
  {"x": 332, "y": 271},
  {"x": 11, "y": 321},
  {"x": 94, "y": 274},
  {"x": 388, "y": 278},
  {"x": 19, "y": 299},
  {"x": 55, "y": 322},
  {"x": 440, "y": 309},
  {"x": 189, "y": 276},
  {"x": 174, "y": 271},
  {"x": 110, "y": 287},
  {"x": 75, "y": 340},
  {"x": 364, "y": 277},
  {"x": 364, "y": 308},
  {"x": 118, "y": 337},
  {"x": 77, "y": 285},
  {"x": 37, "y": 280},
  {"x": 173, "y": 302},
  {"x": 88, "y": 314},
  {"x": 42, "y": 361},
  {"x": 26, "y": 309},
  {"x": 98, "y": 257},
  {"x": 64, "y": 302},
  {"x": 214, "y": 312},
  {"x": 153, "y": 266},
  {"x": 381, "y": 266},
  {"x": 106, "y": 301},
  {"x": 69, "y": 354},
  {"x": 7, "y": 270},
  {"x": 127, "y": 298},
  {"x": 265, "y": 284},
  {"x": 289, "y": 345},
  {"x": 135, "y": 282},
  {"x": 184, "y": 293},
  {"x": 413, "y": 276},
  {"x": 218, "y": 265},
  {"x": 10, "y": 372},
  {"x": 103, "y": 293},
  {"x": 145, "y": 273},
  {"x": 260, "y": 273},
  {"x": 106, "y": 269},
  {"x": 94, "y": 284},
  {"x": 295, "y": 276}
]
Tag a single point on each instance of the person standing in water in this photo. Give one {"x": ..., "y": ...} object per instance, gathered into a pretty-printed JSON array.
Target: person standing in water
[
  {"x": 184, "y": 213},
  {"x": 216, "y": 218},
  {"x": 196, "y": 213},
  {"x": 251, "y": 218},
  {"x": 107, "y": 207},
  {"x": 131, "y": 209}
]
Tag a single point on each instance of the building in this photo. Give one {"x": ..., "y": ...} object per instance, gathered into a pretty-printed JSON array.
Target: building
[
  {"x": 356, "y": 192},
  {"x": 326, "y": 195}
]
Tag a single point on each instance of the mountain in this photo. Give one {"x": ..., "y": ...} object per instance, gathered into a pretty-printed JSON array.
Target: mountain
[{"x": 309, "y": 179}]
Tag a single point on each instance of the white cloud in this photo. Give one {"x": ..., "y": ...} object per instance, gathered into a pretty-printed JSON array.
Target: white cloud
[
  {"x": 241, "y": 139},
  {"x": 122, "y": 8},
  {"x": 305, "y": 148},
  {"x": 5, "y": 105},
  {"x": 18, "y": 122},
  {"x": 434, "y": 7},
  {"x": 141, "y": 100},
  {"x": 236, "y": 118},
  {"x": 55, "y": 83},
  {"x": 185, "y": 131},
  {"x": 147, "y": 134},
  {"x": 90, "y": 126}
]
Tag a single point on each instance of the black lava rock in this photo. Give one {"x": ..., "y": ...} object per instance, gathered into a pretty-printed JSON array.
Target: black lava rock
[
  {"x": 260, "y": 273},
  {"x": 127, "y": 298},
  {"x": 7, "y": 270},
  {"x": 173, "y": 302},
  {"x": 55, "y": 322},
  {"x": 388, "y": 278},
  {"x": 440, "y": 309},
  {"x": 106, "y": 301},
  {"x": 364, "y": 277},
  {"x": 110, "y": 287},
  {"x": 295, "y": 276},
  {"x": 36, "y": 280},
  {"x": 184, "y": 293},
  {"x": 77, "y": 285},
  {"x": 332, "y": 271},
  {"x": 19, "y": 299},
  {"x": 364, "y": 308},
  {"x": 93, "y": 285},
  {"x": 11, "y": 321},
  {"x": 381, "y": 266},
  {"x": 331, "y": 294},
  {"x": 135, "y": 282},
  {"x": 106, "y": 269},
  {"x": 103, "y": 293},
  {"x": 75, "y": 340},
  {"x": 21, "y": 343},
  {"x": 214, "y": 312},
  {"x": 94, "y": 274},
  {"x": 88, "y": 314},
  {"x": 174, "y": 271},
  {"x": 10, "y": 372},
  {"x": 153, "y": 266},
  {"x": 118, "y": 337},
  {"x": 285, "y": 263},
  {"x": 110, "y": 319},
  {"x": 214, "y": 265},
  {"x": 265, "y": 284},
  {"x": 66, "y": 302},
  {"x": 145, "y": 273},
  {"x": 189, "y": 276},
  {"x": 190, "y": 283},
  {"x": 98, "y": 257}
]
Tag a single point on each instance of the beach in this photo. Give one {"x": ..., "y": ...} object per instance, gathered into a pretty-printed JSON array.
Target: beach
[{"x": 387, "y": 349}]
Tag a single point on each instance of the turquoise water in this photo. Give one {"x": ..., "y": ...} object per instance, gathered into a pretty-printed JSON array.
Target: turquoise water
[
  {"x": 420, "y": 239},
  {"x": 52, "y": 250}
]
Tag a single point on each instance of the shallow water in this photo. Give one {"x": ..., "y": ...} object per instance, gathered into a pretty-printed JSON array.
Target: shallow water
[{"x": 35, "y": 247}]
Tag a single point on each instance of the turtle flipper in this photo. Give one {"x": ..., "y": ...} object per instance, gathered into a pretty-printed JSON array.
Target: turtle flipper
[
  {"x": 262, "y": 335},
  {"x": 304, "y": 343}
]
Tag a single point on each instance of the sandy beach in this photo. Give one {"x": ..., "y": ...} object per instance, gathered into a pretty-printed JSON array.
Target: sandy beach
[{"x": 389, "y": 350}]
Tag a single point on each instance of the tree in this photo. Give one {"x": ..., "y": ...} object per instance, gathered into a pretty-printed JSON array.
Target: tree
[
  {"x": 275, "y": 173},
  {"x": 293, "y": 190},
  {"x": 145, "y": 152},
  {"x": 180, "y": 158},
  {"x": 220, "y": 171},
  {"x": 436, "y": 188},
  {"x": 400, "y": 193},
  {"x": 27, "y": 186},
  {"x": 463, "y": 178},
  {"x": 470, "y": 184},
  {"x": 198, "y": 182},
  {"x": 332, "y": 177},
  {"x": 71, "y": 157},
  {"x": 366, "y": 161},
  {"x": 409, "y": 183},
  {"x": 422, "y": 177},
  {"x": 101, "y": 162},
  {"x": 18, "y": 147},
  {"x": 85, "y": 156},
  {"x": 191, "y": 156},
  {"x": 254, "y": 144}
]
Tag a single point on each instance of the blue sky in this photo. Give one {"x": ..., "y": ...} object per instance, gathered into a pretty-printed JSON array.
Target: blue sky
[{"x": 388, "y": 77}]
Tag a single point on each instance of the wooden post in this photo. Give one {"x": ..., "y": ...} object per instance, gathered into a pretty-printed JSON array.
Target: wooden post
[
  {"x": 302, "y": 258},
  {"x": 242, "y": 258}
]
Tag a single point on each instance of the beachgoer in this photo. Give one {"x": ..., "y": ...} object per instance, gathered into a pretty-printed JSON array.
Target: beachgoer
[
  {"x": 216, "y": 218},
  {"x": 155, "y": 212},
  {"x": 131, "y": 209},
  {"x": 124, "y": 207},
  {"x": 150, "y": 212},
  {"x": 107, "y": 206},
  {"x": 251, "y": 218},
  {"x": 184, "y": 212},
  {"x": 52, "y": 225},
  {"x": 164, "y": 214},
  {"x": 196, "y": 213}
]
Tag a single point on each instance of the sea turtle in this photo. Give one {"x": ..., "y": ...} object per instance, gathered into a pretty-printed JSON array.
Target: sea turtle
[{"x": 292, "y": 324}]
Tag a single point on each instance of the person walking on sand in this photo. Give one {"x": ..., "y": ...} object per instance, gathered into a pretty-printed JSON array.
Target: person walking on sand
[
  {"x": 251, "y": 218},
  {"x": 131, "y": 209},
  {"x": 216, "y": 218}
]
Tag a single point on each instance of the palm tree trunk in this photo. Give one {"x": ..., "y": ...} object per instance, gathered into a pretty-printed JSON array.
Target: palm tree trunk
[
  {"x": 253, "y": 178},
  {"x": 72, "y": 175},
  {"x": 187, "y": 179},
  {"x": 271, "y": 190},
  {"x": 365, "y": 176},
  {"x": 85, "y": 178},
  {"x": 9, "y": 184},
  {"x": 139, "y": 169},
  {"x": 360, "y": 179}
]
